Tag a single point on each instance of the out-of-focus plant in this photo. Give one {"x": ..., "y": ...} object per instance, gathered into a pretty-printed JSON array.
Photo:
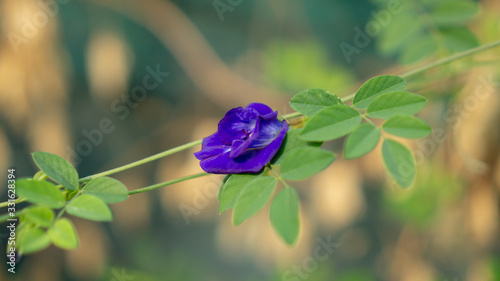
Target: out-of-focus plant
[
  {"x": 320, "y": 117},
  {"x": 424, "y": 28}
]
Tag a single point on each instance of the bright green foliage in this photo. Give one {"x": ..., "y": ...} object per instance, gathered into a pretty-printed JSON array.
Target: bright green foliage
[
  {"x": 38, "y": 216},
  {"x": 305, "y": 162},
  {"x": 331, "y": 123},
  {"x": 231, "y": 189},
  {"x": 291, "y": 143},
  {"x": 57, "y": 168},
  {"x": 424, "y": 28},
  {"x": 361, "y": 141},
  {"x": 453, "y": 12},
  {"x": 406, "y": 127},
  {"x": 285, "y": 215},
  {"x": 399, "y": 162},
  {"x": 107, "y": 189},
  {"x": 31, "y": 239},
  {"x": 63, "y": 234},
  {"x": 89, "y": 207},
  {"x": 375, "y": 87},
  {"x": 253, "y": 198},
  {"x": 40, "y": 192},
  {"x": 396, "y": 103},
  {"x": 309, "y": 102}
]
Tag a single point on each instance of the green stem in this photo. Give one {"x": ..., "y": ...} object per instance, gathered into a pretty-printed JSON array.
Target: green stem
[
  {"x": 145, "y": 160},
  {"x": 162, "y": 184},
  {"x": 423, "y": 68},
  {"x": 61, "y": 212},
  {"x": 368, "y": 120},
  {"x": 450, "y": 59},
  {"x": 278, "y": 176},
  {"x": 6, "y": 203}
]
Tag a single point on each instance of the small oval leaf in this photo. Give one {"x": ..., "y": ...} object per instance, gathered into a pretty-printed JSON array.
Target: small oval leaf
[
  {"x": 285, "y": 215},
  {"x": 331, "y": 123},
  {"x": 375, "y": 87},
  {"x": 63, "y": 234},
  {"x": 107, "y": 189},
  {"x": 253, "y": 198},
  {"x": 396, "y": 103},
  {"x": 57, "y": 168},
  {"x": 309, "y": 102},
  {"x": 399, "y": 162},
  {"x": 361, "y": 141},
  {"x": 406, "y": 127},
  {"x": 291, "y": 143},
  {"x": 232, "y": 188},
  {"x": 31, "y": 239},
  {"x": 305, "y": 162},
  {"x": 38, "y": 215},
  {"x": 89, "y": 207},
  {"x": 40, "y": 192}
]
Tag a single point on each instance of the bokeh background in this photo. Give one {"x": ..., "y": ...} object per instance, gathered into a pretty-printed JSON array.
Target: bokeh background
[{"x": 85, "y": 61}]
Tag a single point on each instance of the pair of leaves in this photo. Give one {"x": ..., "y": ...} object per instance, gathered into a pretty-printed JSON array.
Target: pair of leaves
[
  {"x": 330, "y": 117},
  {"x": 31, "y": 238},
  {"x": 366, "y": 136},
  {"x": 92, "y": 203},
  {"x": 248, "y": 194}
]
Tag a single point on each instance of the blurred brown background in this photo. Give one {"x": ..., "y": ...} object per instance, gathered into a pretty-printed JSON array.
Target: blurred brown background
[{"x": 67, "y": 65}]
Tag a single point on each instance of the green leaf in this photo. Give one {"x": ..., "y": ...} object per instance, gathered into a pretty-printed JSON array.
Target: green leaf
[
  {"x": 89, "y": 207},
  {"x": 40, "y": 192},
  {"x": 399, "y": 32},
  {"x": 375, "y": 87},
  {"x": 253, "y": 198},
  {"x": 309, "y": 102},
  {"x": 361, "y": 141},
  {"x": 31, "y": 239},
  {"x": 107, "y": 189},
  {"x": 285, "y": 215},
  {"x": 459, "y": 38},
  {"x": 38, "y": 215},
  {"x": 453, "y": 12},
  {"x": 57, "y": 168},
  {"x": 305, "y": 162},
  {"x": 396, "y": 103},
  {"x": 63, "y": 234},
  {"x": 231, "y": 189},
  {"x": 331, "y": 123},
  {"x": 291, "y": 143},
  {"x": 399, "y": 162},
  {"x": 406, "y": 127},
  {"x": 221, "y": 187}
]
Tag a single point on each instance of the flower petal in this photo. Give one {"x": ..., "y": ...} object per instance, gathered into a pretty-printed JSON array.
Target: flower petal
[
  {"x": 252, "y": 161},
  {"x": 238, "y": 123}
]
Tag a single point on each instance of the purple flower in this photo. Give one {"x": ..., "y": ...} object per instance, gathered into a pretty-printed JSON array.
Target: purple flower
[{"x": 246, "y": 140}]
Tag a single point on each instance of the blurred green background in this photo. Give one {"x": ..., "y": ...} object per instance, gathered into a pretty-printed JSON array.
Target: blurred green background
[{"x": 67, "y": 65}]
